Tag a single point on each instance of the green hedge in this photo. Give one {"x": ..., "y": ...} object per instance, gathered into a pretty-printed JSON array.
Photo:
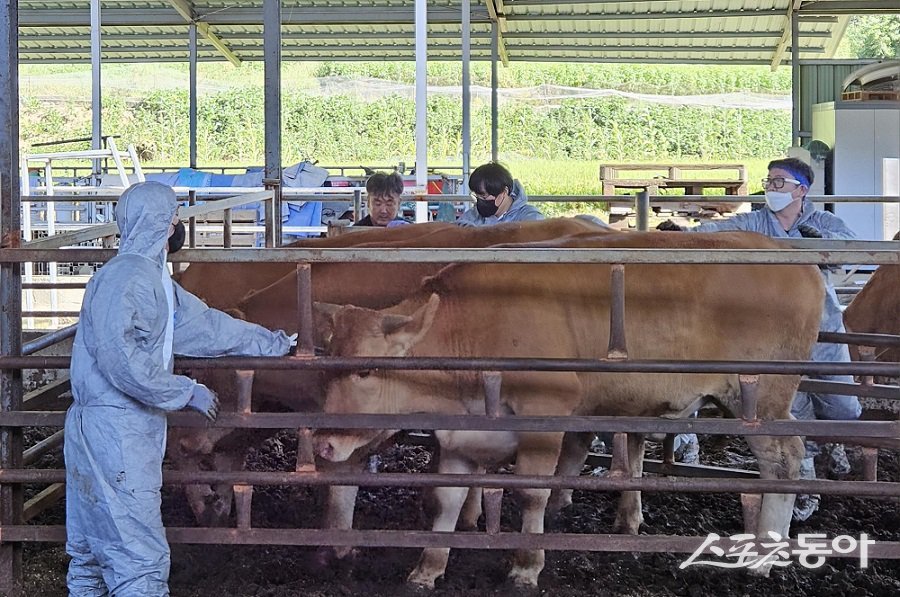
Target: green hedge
[{"x": 340, "y": 128}]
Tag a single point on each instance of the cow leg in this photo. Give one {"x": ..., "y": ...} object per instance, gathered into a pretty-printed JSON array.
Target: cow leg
[
  {"x": 220, "y": 502},
  {"x": 574, "y": 452},
  {"x": 629, "y": 515},
  {"x": 448, "y": 502},
  {"x": 187, "y": 450},
  {"x": 779, "y": 458},
  {"x": 471, "y": 510},
  {"x": 538, "y": 454},
  {"x": 340, "y": 504}
]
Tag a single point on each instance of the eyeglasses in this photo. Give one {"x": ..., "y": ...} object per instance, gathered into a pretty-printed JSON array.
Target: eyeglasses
[
  {"x": 484, "y": 197},
  {"x": 777, "y": 183}
]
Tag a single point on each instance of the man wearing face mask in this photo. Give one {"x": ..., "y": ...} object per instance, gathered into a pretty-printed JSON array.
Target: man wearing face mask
[
  {"x": 498, "y": 198},
  {"x": 789, "y": 214},
  {"x": 134, "y": 318}
]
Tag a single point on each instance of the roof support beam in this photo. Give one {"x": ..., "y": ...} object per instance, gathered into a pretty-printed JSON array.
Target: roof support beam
[
  {"x": 126, "y": 38},
  {"x": 496, "y": 15},
  {"x": 850, "y": 7},
  {"x": 778, "y": 54},
  {"x": 299, "y": 15},
  {"x": 186, "y": 9},
  {"x": 627, "y": 16}
]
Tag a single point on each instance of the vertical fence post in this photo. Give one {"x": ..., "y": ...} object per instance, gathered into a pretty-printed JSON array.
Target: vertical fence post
[
  {"x": 617, "y": 349},
  {"x": 11, "y": 456},
  {"x": 642, "y": 209},
  {"x": 226, "y": 229},
  {"x": 192, "y": 221},
  {"x": 492, "y": 497},
  {"x": 357, "y": 204},
  {"x": 305, "y": 341}
]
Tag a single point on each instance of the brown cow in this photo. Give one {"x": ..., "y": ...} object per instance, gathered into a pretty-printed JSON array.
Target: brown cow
[
  {"x": 374, "y": 285},
  {"x": 692, "y": 312},
  {"x": 876, "y": 309}
]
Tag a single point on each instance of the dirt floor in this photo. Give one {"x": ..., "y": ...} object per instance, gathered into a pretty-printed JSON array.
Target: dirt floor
[{"x": 217, "y": 571}]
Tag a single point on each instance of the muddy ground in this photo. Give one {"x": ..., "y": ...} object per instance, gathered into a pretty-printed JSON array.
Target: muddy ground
[{"x": 218, "y": 571}]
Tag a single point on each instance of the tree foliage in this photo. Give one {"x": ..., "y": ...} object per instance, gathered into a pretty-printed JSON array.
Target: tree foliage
[{"x": 874, "y": 36}]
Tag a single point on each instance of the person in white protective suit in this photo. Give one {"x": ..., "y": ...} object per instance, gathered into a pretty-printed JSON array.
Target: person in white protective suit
[
  {"x": 134, "y": 318},
  {"x": 789, "y": 214}
]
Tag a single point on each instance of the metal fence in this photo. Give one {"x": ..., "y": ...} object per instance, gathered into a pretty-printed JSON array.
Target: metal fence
[{"x": 872, "y": 433}]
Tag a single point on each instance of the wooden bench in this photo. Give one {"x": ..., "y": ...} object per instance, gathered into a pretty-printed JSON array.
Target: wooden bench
[{"x": 664, "y": 176}]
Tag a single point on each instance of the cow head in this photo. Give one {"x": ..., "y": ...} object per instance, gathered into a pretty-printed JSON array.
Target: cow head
[{"x": 358, "y": 332}]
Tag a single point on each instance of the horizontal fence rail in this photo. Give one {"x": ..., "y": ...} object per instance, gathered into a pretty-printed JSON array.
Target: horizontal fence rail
[
  {"x": 504, "y": 481},
  {"x": 498, "y": 364},
  {"x": 862, "y": 254},
  {"x": 421, "y": 539},
  {"x": 589, "y": 424}
]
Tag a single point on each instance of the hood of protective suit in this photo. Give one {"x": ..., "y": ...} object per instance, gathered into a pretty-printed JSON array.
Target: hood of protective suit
[{"x": 143, "y": 213}]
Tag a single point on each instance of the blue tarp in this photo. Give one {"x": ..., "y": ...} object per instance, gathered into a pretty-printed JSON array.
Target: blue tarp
[{"x": 293, "y": 213}]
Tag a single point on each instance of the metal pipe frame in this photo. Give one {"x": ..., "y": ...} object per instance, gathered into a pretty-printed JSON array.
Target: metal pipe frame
[
  {"x": 192, "y": 95},
  {"x": 838, "y": 255},
  {"x": 466, "y": 91},
  {"x": 11, "y": 441},
  {"x": 335, "y": 193},
  {"x": 668, "y": 366},
  {"x": 50, "y": 339},
  {"x": 581, "y": 424},
  {"x": 96, "y": 88},
  {"x": 495, "y": 78},
  {"x": 504, "y": 481},
  {"x": 272, "y": 76},
  {"x": 421, "y": 539}
]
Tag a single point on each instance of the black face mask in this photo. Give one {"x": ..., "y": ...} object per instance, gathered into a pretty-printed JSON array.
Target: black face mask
[
  {"x": 485, "y": 207},
  {"x": 176, "y": 241}
]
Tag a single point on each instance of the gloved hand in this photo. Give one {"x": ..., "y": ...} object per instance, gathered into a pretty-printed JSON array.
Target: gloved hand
[
  {"x": 205, "y": 402},
  {"x": 807, "y": 231},
  {"x": 669, "y": 226},
  {"x": 293, "y": 339}
]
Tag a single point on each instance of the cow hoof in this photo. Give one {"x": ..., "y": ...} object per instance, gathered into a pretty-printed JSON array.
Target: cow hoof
[
  {"x": 761, "y": 571},
  {"x": 420, "y": 582},
  {"x": 415, "y": 589},
  {"x": 518, "y": 587},
  {"x": 329, "y": 563},
  {"x": 627, "y": 527}
]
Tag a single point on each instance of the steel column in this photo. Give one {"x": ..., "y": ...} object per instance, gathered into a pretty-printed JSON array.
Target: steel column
[
  {"x": 96, "y": 89},
  {"x": 495, "y": 45},
  {"x": 466, "y": 93},
  {"x": 642, "y": 209},
  {"x": 11, "y": 496},
  {"x": 795, "y": 78},
  {"x": 272, "y": 57},
  {"x": 421, "y": 21},
  {"x": 192, "y": 94}
]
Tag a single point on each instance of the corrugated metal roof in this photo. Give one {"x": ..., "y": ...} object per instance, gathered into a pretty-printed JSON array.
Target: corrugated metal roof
[{"x": 681, "y": 31}]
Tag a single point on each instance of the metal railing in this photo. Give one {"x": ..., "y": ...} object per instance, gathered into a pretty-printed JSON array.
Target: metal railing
[{"x": 749, "y": 424}]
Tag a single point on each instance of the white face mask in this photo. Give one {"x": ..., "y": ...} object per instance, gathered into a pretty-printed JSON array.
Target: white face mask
[{"x": 778, "y": 200}]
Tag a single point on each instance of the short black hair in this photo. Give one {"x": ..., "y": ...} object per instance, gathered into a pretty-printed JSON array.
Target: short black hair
[
  {"x": 382, "y": 184},
  {"x": 795, "y": 165},
  {"x": 490, "y": 178}
]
